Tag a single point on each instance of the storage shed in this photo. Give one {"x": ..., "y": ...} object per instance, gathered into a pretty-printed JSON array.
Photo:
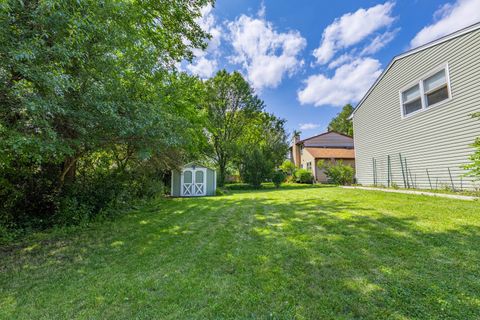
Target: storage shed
[{"x": 193, "y": 180}]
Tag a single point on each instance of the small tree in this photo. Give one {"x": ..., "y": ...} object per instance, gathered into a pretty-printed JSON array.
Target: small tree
[
  {"x": 278, "y": 177},
  {"x": 288, "y": 167},
  {"x": 474, "y": 166},
  {"x": 256, "y": 167}
]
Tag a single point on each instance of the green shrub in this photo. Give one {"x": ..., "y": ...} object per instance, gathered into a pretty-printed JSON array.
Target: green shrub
[
  {"x": 278, "y": 177},
  {"x": 303, "y": 176},
  {"x": 291, "y": 179},
  {"x": 238, "y": 186},
  {"x": 338, "y": 173},
  {"x": 288, "y": 167}
]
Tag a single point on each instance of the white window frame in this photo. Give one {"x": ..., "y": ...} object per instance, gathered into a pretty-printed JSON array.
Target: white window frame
[
  {"x": 309, "y": 165},
  {"x": 423, "y": 99}
]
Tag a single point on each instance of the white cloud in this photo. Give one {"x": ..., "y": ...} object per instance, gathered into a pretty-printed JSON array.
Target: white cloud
[
  {"x": 344, "y": 58},
  {"x": 265, "y": 54},
  {"x": 309, "y": 126},
  {"x": 449, "y": 18},
  {"x": 379, "y": 42},
  {"x": 205, "y": 63},
  {"x": 351, "y": 28},
  {"x": 348, "y": 85},
  {"x": 203, "y": 67},
  {"x": 262, "y": 11}
]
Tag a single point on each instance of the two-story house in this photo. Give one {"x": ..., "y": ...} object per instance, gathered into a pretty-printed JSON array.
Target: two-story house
[
  {"x": 327, "y": 147},
  {"x": 414, "y": 127}
]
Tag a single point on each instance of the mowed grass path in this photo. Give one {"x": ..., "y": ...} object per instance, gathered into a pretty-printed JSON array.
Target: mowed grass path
[{"x": 297, "y": 252}]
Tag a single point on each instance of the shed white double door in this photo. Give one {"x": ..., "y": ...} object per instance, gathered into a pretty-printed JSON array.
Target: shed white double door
[{"x": 194, "y": 182}]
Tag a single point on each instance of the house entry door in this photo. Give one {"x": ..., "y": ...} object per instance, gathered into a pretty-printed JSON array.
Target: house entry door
[{"x": 194, "y": 182}]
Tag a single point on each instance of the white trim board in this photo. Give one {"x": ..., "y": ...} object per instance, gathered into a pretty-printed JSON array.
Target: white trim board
[
  {"x": 420, "y": 82},
  {"x": 192, "y": 190}
]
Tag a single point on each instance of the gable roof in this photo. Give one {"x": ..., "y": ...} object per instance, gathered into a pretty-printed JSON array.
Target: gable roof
[
  {"x": 430, "y": 44},
  {"x": 322, "y": 134},
  {"x": 327, "y": 153},
  {"x": 196, "y": 164}
]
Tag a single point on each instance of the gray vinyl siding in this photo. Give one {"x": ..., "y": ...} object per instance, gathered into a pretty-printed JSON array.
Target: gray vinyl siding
[
  {"x": 436, "y": 139},
  {"x": 210, "y": 182}
]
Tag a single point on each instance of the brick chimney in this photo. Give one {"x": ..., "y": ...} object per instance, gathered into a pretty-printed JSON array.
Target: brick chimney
[{"x": 296, "y": 149}]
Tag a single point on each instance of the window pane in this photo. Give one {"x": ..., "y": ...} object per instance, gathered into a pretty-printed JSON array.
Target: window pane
[
  {"x": 412, "y": 106},
  {"x": 437, "y": 96},
  {"x": 199, "y": 177},
  {"x": 187, "y": 177},
  {"x": 411, "y": 93},
  {"x": 435, "y": 81}
]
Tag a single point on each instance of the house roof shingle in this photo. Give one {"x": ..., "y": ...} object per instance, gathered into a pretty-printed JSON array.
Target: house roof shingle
[{"x": 327, "y": 153}]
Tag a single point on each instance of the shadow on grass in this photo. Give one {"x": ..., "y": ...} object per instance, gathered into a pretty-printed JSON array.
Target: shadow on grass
[{"x": 259, "y": 257}]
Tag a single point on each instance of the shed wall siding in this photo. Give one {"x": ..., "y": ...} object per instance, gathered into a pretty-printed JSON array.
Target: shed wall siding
[
  {"x": 437, "y": 139},
  {"x": 210, "y": 182},
  {"x": 175, "y": 183}
]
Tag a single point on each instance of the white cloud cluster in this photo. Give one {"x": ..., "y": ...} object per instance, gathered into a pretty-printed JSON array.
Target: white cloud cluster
[
  {"x": 349, "y": 83},
  {"x": 205, "y": 63},
  {"x": 379, "y": 42},
  {"x": 354, "y": 71},
  {"x": 449, "y": 18},
  {"x": 265, "y": 54},
  {"x": 351, "y": 28},
  {"x": 309, "y": 126}
]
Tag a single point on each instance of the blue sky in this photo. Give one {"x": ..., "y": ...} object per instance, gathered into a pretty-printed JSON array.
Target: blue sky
[{"x": 306, "y": 59}]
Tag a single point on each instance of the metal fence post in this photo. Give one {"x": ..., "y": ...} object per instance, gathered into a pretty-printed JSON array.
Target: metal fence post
[
  {"x": 451, "y": 180},
  {"x": 403, "y": 171},
  {"x": 429, "y": 181}
]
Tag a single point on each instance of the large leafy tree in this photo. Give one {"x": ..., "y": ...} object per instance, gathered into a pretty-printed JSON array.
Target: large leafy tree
[
  {"x": 262, "y": 148},
  {"x": 341, "y": 123},
  {"x": 86, "y": 77},
  {"x": 231, "y": 105}
]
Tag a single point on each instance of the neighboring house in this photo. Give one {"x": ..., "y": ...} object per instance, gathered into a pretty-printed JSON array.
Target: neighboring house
[
  {"x": 419, "y": 110},
  {"x": 328, "y": 147},
  {"x": 193, "y": 180}
]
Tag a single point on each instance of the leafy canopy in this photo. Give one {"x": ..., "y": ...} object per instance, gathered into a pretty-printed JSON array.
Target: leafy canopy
[
  {"x": 230, "y": 105},
  {"x": 88, "y": 90},
  {"x": 341, "y": 123}
]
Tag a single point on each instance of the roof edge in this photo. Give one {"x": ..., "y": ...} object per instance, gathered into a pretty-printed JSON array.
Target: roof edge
[{"x": 425, "y": 46}]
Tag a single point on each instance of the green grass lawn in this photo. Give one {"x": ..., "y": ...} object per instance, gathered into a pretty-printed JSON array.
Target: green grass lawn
[{"x": 297, "y": 252}]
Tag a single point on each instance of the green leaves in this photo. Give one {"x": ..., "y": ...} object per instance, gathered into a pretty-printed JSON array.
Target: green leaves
[
  {"x": 341, "y": 123},
  {"x": 82, "y": 78},
  {"x": 474, "y": 166}
]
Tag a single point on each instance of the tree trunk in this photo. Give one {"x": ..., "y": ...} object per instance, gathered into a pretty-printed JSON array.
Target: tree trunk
[
  {"x": 222, "y": 175},
  {"x": 68, "y": 172}
]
